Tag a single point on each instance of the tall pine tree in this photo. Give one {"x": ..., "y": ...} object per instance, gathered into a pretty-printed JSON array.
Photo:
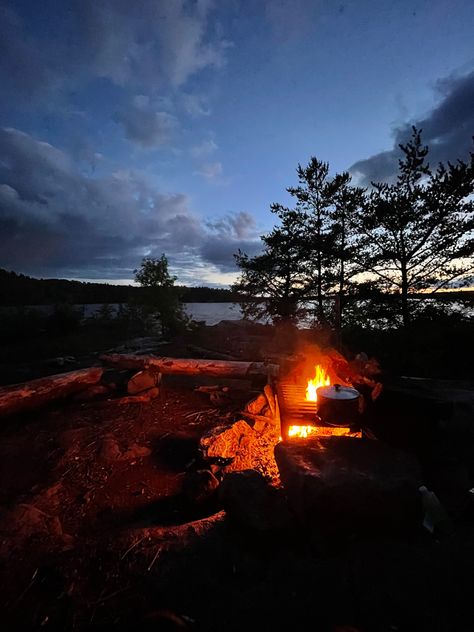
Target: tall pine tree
[{"x": 417, "y": 233}]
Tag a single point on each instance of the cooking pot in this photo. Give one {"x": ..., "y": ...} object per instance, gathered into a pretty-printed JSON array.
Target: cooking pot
[{"x": 338, "y": 405}]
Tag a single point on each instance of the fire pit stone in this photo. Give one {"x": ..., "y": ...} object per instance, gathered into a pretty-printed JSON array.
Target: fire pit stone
[
  {"x": 339, "y": 486},
  {"x": 252, "y": 502}
]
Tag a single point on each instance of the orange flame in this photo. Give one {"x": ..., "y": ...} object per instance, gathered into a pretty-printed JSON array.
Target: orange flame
[
  {"x": 321, "y": 378},
  {"x": 303, "y": 432},
  {"x": 300, "y": 431}
]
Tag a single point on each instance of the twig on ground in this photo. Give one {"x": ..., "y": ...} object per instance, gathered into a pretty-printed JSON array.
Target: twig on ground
[
  {"x": 111, "y": 596},
  {"x": 158, "y": 551},
  {"x": 135, "y": 544},
  {"x": 32, "y": 581},
  {"x": 199, "y": 412}
]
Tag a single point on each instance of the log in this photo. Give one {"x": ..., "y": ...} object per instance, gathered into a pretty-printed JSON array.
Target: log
[
  {"x": 190, "y": 366},
  {"x": 19, "y": 398}
]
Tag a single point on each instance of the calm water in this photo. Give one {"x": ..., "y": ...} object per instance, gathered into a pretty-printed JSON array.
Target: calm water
[
  {"x": 210, "y": 313},
  {"x": 213, "y": 313}
]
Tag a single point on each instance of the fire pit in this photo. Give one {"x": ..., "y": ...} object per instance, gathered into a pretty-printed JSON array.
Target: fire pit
[{"x": 302, "y": 415}]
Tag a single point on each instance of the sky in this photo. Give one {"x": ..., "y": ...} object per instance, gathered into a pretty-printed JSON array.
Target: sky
[{"x": 132, "y": 129}]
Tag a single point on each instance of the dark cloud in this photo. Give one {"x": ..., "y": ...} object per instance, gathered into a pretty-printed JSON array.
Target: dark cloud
[
  {"x": 220, "y": 251},
  {"x": 226, "y": 236},
  {"x": 152, "y": 43},
  {"x": 447, "y": 130},
  {"x": 238, "y": 226},
  {"x": 56, "y": 220},
  {"x": 24, "y": 67},
  {"x": 146, "y": 126}
]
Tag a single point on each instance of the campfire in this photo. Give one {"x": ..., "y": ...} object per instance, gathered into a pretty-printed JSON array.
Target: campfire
[
  {"x": 314, "y": 410},
  {"x": 321, "y": 378}
]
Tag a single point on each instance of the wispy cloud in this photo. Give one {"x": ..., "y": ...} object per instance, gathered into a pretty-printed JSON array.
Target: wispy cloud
[
  {"x": 210, "y": 170},
  {"x": 203, "y": 149},
  {"x": 195, "y": 105},
  {"x": 146, "y": 126}
]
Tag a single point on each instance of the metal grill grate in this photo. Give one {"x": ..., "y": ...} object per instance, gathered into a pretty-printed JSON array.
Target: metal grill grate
[
  {"x": 296, "y": 411},
  {"x": 292, "y": 399}
]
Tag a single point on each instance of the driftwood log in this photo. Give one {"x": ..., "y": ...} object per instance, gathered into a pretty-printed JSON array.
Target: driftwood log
[
  {"x": 189, "y": 366},
  {"x": 18, "y": 398}
]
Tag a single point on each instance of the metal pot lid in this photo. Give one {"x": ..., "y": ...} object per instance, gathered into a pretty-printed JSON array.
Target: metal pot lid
[{"x": 338, "y": 392}]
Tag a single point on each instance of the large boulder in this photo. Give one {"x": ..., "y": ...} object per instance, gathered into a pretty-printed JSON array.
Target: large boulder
[
  {"x": 200, "y": 486},
  {"x": 340, "y": 485},
  {"x": 253, "y": 503}
]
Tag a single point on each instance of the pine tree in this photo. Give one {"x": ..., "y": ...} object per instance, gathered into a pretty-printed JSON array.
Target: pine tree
[
  {"x": 275, "y": 282},
  {"x": 314, "y": 196},
  {"x": 417, "y": 233}
]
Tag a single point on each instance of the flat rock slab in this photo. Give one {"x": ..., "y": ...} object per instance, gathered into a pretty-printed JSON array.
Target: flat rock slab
[
  {"x": 252, "y": 502},
  {"x": 341, "y": 485}
]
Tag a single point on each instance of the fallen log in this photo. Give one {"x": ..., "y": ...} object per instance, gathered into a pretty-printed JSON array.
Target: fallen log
[
  {"x": 18, "y": 398},
  {"x": 190, "y": 366}
]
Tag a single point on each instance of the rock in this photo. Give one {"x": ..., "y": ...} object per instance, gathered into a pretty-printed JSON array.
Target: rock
[
  {"x": 219, "y": 399},
  {"x": 200, "y": 486},
  {"x": 143, "y": 381},
  {"x": 255, "y": 406},
  {"x": 109, "y": 449},
  {"x": 252, "y": 502},
  {"x": 340, "y": 486},
  {"x": 240, "y": 447},
  {"x": 152, "y": 393},
  {"x": 135, "y": 451}
]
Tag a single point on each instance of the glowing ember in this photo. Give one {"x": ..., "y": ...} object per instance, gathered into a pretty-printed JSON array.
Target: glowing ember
[
  {"x": 301, "y": 431},
  {"x": 321, "y": 378}
]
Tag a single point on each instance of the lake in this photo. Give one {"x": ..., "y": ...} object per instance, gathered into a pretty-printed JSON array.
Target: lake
[
  {"x": 210, "y": 313},
  {"x": 213, "y": 313}
]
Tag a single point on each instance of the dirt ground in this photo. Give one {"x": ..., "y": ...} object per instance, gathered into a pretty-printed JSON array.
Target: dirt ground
[{"x": 96, "y": 534}]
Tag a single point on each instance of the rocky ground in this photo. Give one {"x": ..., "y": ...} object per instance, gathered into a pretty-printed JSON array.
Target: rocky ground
[{"x": 110, "y": 518}]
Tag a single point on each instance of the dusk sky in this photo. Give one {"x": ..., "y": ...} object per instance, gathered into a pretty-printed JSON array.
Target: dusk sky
[{"x": 133, "y": 128}]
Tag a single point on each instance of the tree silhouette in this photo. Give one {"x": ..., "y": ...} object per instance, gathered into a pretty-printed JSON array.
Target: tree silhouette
[
  {"x": 273, "y": 283},
  {"x": 308, "y": 256},
  {"x": 161, "y": 298},
  {"x": 315, "y": 196},
  {"x": 417, "y": 233}
]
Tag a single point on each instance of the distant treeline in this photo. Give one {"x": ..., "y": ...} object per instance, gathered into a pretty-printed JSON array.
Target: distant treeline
[{"x": 18, "y": 289}]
